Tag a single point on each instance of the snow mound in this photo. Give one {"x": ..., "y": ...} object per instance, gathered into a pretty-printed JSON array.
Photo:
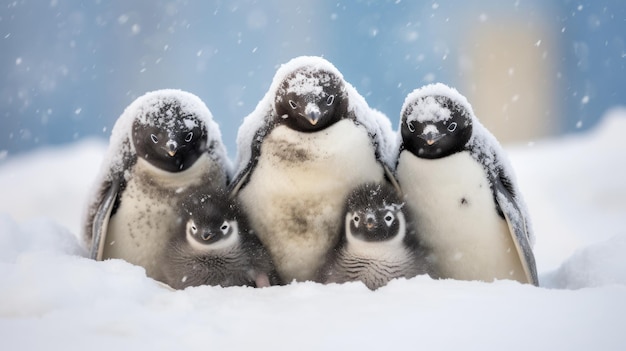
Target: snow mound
[
  {"x": 52, "y": 183},
  {"x": 574, "y": 187},
  {"x": 37, "y": 235},
  {"x": 594, "y": 266}
]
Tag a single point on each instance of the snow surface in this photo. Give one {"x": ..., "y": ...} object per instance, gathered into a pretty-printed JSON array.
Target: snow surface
[
  {"x": 373, "y": 120},
  {"x": 51, "y": 297}
]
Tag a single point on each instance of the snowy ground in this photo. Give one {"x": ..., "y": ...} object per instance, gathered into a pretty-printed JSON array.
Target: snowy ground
[{"x": 575, "y": 187}]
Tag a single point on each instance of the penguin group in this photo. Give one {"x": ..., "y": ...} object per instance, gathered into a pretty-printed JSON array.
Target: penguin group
[{"x": 323, "y": 189}]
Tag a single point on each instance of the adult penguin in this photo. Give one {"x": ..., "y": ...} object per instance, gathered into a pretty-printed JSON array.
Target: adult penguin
[
  {"x": 462, "y": 191},
  {"x": 308, "y": 143}
]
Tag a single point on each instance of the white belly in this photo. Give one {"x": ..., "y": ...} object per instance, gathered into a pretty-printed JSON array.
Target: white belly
[
  {"x": 456, "y": 217},
  {"x": 296, "y": 193},
  {"x": 141, "y": 228}
]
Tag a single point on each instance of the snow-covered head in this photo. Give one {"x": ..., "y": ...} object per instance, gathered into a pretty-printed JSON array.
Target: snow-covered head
[
  {"x": 316, "y": 79},
  {"x": 169, "y": 128},
  {"x": 310, "y": 94},
  {"x": 436, "y": 121}
]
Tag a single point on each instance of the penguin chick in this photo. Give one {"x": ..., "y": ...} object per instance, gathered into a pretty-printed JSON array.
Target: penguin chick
[
  {"x": 461, "y": 190},
  {"x": 378, "y": 242},
  {"x": 213, "y": 245}
]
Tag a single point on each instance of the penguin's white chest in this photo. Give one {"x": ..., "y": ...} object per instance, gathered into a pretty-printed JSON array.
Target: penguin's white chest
[
  {"x": 142, "y": 226},
  {"x": 296, "y": 193},
  {"x": 456, "y": 217}
]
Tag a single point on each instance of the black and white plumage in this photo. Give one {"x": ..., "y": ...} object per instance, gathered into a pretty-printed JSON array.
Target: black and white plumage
[
  {"x": 212, "y": 244},
  {"x": 462, "y": 191},
  {"x": 307, "y": 144},
  {"x": 164, "y": 144},
  {"x": 378, "y": 242}
]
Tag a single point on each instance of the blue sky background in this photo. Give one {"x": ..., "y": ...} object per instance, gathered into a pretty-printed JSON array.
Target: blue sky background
[{"x": 69, "y": 68}]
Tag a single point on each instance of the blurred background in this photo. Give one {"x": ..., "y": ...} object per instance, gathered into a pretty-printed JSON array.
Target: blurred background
[{"x": 530, "y": 68}]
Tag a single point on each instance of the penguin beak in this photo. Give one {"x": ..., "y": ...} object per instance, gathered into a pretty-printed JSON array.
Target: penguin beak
[
  {"x": 207, "y": 235},
  {"x": 171, "y": 147},
  {"x": 370, "y": 221},
  {"x": 312, "y": 113},
  {"x": 431, "y": 137}
]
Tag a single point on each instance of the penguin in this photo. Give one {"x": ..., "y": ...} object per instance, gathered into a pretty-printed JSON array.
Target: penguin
[
  {"x": 461, "y": 190},
  {"x": 163, "y": 145},
  {"x": 307, "y": 144},
  {"x": 214, "y": 245},
  {"x": 378, "y": 242}
]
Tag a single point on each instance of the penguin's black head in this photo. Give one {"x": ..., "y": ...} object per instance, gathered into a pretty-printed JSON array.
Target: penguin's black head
[
  {"x": 435, "y": 127},
  {"x": 169, "y": 137},
  {"x": 209, "y": 219},
  {"x": 310, "y": 99},
  {"x": 374, "y": 213}
]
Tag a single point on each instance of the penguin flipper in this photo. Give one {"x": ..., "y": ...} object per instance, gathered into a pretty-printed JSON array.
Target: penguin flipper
[
  {"x": 101, "y": 221},
  {"x": 518, "y": 230},
  {"x": 241, "y": 178},
  {"x": 392, "y": 179},
  {"x": 239, "y": 182}
]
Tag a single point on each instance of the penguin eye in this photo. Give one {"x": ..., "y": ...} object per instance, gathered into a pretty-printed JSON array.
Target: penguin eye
[
  {"x": 410, "y": 126},
  {"x": 356, "y": 219},
  {"x": 224, "y": 228},
  {"x": 452, "y": 127},
  {"x": 292, "y": 104},
  {"x": 389, "y": 217},
  {"x": 189, "y": 137},
  {"x": 154, "y": 138},
  {"x": 330, "y": 100},
  {"x": 192, "y": 227}
]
